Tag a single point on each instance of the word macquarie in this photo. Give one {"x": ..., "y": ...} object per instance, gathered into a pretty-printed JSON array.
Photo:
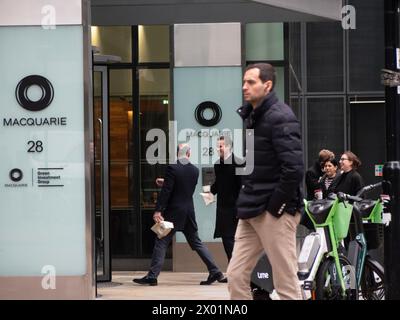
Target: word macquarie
[{"x": 35, "y": 122}]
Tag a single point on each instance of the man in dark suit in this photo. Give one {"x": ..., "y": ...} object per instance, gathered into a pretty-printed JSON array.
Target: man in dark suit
[
  {"x": 227, "y": 186},
  {"x": 175, "y": 204}
]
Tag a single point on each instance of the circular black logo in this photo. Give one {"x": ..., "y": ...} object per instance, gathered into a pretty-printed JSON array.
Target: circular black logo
[
  {"x": 21, "y": 93},
  {"x": 16, "y": 175},
  {"x": 208, "y": 105}
]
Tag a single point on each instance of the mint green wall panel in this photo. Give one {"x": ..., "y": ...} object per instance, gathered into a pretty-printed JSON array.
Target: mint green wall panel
[
  {"x": 42, "y": 212},
  {"x": 192, "y": 86}
]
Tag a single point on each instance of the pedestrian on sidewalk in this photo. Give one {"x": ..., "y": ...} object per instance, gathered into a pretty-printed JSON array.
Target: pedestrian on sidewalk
[
  {"x": 270, "y": 199},
  {"x": 175, "y": 204}
]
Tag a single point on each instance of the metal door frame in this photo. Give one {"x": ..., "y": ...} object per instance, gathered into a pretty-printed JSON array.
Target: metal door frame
[{"x": 105, "y": 189}]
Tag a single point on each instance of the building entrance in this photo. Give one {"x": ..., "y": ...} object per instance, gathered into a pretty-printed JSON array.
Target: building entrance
[{"x": 129, "y": 100}]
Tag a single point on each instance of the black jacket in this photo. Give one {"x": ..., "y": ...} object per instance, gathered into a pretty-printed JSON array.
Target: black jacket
[
  {"x": 349, "y": 182},
  {"x": 313, "y": 174},
  {"x": 332, "y": 186},
  {"x": 175, "y": 201},
  {"x": 227, "y": 186},
  {"x": 274, "y": 184}
]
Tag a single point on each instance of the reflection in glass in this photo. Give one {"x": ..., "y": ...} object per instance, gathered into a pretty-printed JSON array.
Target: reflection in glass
[
  {"x": 153, "y": 44},
  {"x": 325, "y": 126},
  {"x": 325, "y": 57},
  {"x": 264, "y": 41},
  {"x": 154, "y": 113},
  {"x": 280, "y": 83},
  {"x": 154, "y": 89},
  {"x": 121, "y": 147},
  {"x": 123, "y": 220},
  {"x": 116, "y": 41},
  {"x": 97, "y": 113}
]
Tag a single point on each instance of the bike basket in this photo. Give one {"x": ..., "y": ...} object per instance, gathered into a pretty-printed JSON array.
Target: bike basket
[
  {"x": 341, "y": 220},
  {"x": 376, "y": 214},
  {"x": 374, "y": 234}
]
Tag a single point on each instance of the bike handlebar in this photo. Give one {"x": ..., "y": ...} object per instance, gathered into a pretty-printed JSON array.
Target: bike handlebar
[
  {"x": 368, "y": 188},
  {"x": 343, "y": 196}
]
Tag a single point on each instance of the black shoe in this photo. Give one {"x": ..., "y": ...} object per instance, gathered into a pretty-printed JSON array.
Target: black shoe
[
  {"x": 146, "y": 280},
  {"x": 223, "y": 280},
  {"x": 218, "y": 276}
]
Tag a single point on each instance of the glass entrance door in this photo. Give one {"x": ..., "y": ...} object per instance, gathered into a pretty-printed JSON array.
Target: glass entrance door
[{"x": 101, "y": 160}]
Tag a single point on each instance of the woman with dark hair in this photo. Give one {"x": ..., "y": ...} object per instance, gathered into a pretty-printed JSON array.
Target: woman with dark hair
[
  {"x": 350, "y": 181},
  {"x": 315, "y": 172},
  {"x": 331, "y": 177}
]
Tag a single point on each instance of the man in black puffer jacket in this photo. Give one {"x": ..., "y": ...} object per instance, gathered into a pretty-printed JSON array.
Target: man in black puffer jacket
[{"x": 270, "y": 199}]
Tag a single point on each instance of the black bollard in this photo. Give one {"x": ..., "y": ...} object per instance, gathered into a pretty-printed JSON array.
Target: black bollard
[{"x": 391, "y": 186}]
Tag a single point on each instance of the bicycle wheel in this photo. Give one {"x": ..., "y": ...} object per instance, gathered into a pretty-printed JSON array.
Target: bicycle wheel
[
  {"x": 373, "y": 281},
  {"x": 327, "y": 284}
]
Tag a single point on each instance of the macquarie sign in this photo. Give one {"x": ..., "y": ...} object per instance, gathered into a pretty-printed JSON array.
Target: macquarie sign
[{"x": 42, "y": 168}]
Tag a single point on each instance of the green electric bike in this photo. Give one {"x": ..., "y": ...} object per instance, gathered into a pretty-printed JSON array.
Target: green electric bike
[
  {"x": 325, "y": 270},
  {"x": 366, "y": 233}
]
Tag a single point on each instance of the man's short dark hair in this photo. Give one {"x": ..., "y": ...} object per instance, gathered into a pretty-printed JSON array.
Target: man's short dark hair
[
  {"x": 267, "y": 72},
  {"x": 227, "y": 140}
]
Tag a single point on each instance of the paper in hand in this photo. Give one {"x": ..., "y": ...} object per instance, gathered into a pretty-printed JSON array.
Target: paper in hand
[{"x": 162, "y": 228}]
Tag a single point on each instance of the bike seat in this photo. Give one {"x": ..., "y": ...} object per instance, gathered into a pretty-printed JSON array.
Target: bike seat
[
  {"x": 364, "y": 207},
  {"x": 319, "y": 209}
]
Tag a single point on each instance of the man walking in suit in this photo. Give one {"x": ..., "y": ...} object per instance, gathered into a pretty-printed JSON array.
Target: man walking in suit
[
  {"x": 175, "y": 204},
  {"x": 227, "y": 186}
]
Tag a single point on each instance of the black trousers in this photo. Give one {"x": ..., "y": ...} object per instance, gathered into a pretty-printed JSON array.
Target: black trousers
[
  {"x": 228, "y": 242},
  {"x": 192, "y": 237}
]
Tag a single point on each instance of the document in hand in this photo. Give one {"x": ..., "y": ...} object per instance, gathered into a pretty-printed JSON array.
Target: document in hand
[
  {"x": 208, "y": 197},
  {"x": 161, "y": 229}
]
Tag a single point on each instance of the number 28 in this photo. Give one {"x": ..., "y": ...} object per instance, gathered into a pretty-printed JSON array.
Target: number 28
[{"x": 35, "y": 146}]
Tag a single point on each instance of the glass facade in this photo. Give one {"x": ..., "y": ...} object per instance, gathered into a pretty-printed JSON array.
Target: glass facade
[
  {"x": 156, "y": 74},
  {"x": 208, "y": 66},
  {"x": 334, "y": 74},
  {"x": 122, "y": 185},
  {"x": 325, "y": 126},
  {"x": 138, "y": 100},
  {"x": 264, "y": 41},
  {"x": 366, "y": 39},
  {"x": 325, "y": 57},
  {"x": 154, "y": 90},
  {"x": 115, "y": 41},
  {"x": 153, "y": 44}
]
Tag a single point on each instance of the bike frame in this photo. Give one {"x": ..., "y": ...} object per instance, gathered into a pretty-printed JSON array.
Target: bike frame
[{"x": 374, "y": 217}]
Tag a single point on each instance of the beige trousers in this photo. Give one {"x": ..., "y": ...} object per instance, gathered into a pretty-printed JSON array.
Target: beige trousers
[{"x": 277, "y": 237}]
